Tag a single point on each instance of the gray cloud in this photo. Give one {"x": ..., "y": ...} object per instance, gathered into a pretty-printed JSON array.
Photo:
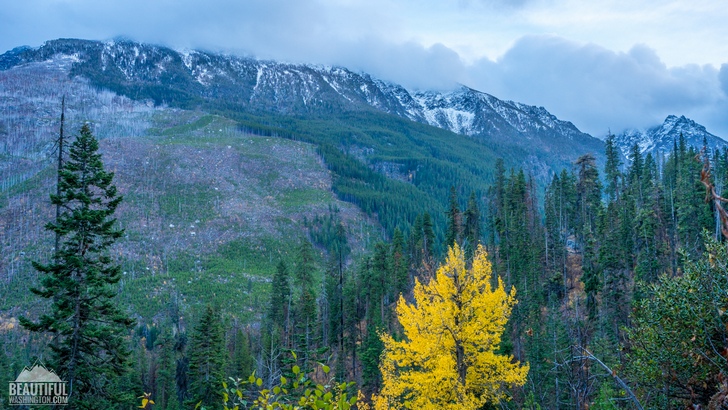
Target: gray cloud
[
  {"x": 408, "y": 64},
  {"x": 599, "y": 89},
  {"x": 724, "y": 78}
]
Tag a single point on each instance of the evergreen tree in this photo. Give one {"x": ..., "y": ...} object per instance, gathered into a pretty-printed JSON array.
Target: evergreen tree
[
  {"x": 611, "y": 169},
  {"x": 305, "y": 313},
  {"x": 379, "y": 285},
  {"x": 89, "y": 349},
  {"x": 207, "y": 359},
  {"x": 182, "y": 367},
  {"x": 588, "y": 189},
  {"x": 164, "y": 395},
  {"x": 471, "y": 226},
  {"x": 428, "y": 236},
  {"x": 280, "y": 299},
  {"x": 399, "y": 264},
  {"x": 454, "y": 220},
  {"x": 242, "y": 363},
  {"x": 371, "y": 350}
]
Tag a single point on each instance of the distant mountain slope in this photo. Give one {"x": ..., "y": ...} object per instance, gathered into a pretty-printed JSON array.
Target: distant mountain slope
[
  {"x": 660, "y": 140},
  {"x": 470, "y": 112},
  {"x": 208, "y": 209},
  {"x": 194, "y": 79}
]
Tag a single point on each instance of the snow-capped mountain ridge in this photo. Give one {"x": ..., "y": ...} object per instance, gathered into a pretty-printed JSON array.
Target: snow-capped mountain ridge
[
  {"x": 660, "y": 140},
  {"x": 186, "y": 78}
]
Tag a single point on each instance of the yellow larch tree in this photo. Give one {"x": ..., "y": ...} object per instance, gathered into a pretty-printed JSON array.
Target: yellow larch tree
[{"x": 448, "y": 359}]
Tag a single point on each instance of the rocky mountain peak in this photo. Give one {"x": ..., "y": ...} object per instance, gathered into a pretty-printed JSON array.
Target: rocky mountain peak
[{"x": 660, "y": 139}]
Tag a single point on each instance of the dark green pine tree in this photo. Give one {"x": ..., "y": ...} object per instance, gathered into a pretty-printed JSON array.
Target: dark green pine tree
[
  {"x": 280, "y": 300},
  {"x": 371, "y": 349},
  {"x": 589, "y": 194},
  {"x": 471, "y": 225},
  {"x": 428, "y": 236},
  {"x": 611, "y": 169},
  {"x": 305, "y": 331},
  {"x": 88, "y": 347},
  {"x": 634, "y": 175},
  {"x": 589, "y": 205},
  {"x": 207, "y": 360},
  {"x": 379, "y": 285},
  {"x": 399, "y": 264},
  {"x": 243, "y": 362},
  {"x": 454, "y": 221},
  {"x": 165, "y": 393}
]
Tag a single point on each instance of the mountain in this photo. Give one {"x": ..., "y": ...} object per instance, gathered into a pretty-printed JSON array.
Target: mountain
[
  {"x": 197, "y": 79},
  {"x": 470, "y": 112},
  {"x": 660, "y": 140}
]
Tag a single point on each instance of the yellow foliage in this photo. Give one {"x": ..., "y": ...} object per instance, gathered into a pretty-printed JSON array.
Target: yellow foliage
[{"x": 447, "y": 359}]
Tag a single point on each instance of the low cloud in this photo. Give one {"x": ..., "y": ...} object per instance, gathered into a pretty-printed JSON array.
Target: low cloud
[
  {"x": 410, "y": 64},
  {"x": 599, "y": 89},
  {"x": 724, "y": 78}
]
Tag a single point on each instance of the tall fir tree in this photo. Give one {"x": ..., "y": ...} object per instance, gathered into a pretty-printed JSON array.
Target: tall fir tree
[
  {"x": 280, "y": 302},
  {"x": 471, "y": 226},
  {"x": 305, "y": 330},
  {"x": 454, "y": 220},
  {"x": 89, "y": 347},
  {"x": 207, "y": 359},
  {"x": 612, "y": 172},
  {"x": 399, "y": 263}
]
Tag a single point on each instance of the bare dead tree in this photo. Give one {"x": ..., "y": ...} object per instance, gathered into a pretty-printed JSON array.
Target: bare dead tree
[
  {"x": 617, "y": 379},
  {"x": 60, "y": 166},
  {"x": 710, "y": 193}
]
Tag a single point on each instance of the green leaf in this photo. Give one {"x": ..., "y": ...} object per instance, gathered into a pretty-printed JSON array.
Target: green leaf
[
  {"x": 259, "y": 382},
  {"x": 276, "y": 390},
  {"x": 296, "y": 369},
  {"x": 326, "y": 369}
]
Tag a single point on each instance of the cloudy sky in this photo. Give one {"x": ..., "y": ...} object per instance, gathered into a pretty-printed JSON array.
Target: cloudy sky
[{"x": 602, "y": 64}]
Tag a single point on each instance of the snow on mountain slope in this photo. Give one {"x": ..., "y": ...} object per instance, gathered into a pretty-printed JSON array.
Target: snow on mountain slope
[
  {"x": 660, "y": 140},
  {"x": 188, "y": 78}
]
